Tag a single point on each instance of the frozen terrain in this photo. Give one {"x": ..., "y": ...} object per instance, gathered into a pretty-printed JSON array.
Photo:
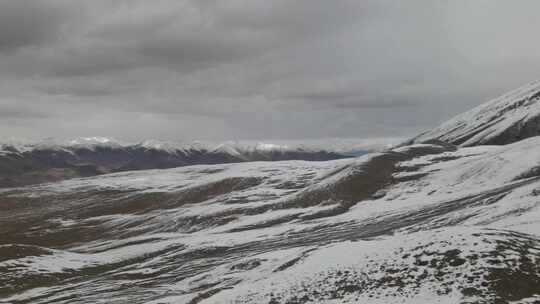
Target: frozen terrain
[
  {"x": 506, "y": 119},
  {"x": 344, "y": 146},
  {"x": 34, "y": 162},
  {"x": 429, "y": 222},
  {"x": 421, "y": 224}
]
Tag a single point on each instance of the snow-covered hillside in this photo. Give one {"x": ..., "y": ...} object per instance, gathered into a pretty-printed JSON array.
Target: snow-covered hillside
[
  {"x": 506, "y": 119},
  {"x": 449, "y": 218},
  {"x": 24, "y": 163},
  {"x": 421, "y": 224}
]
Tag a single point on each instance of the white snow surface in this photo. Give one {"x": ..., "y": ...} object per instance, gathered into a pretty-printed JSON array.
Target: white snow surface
[
  {"x": 491, "y": 119},
  {"x": 238, "y": 147},
  {"x": 428, "y": 235}
]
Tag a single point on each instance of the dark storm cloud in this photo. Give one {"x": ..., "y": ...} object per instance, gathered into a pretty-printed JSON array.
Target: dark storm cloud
[
  {"x": 30, "y": 22},
  {"x": 352, "y": 99},
  {"x": 82, "y": 90},
  {"x": 256, "y": 68},
  {"x": 20, "y": 112},
  {"x": 192, "y": 35}
]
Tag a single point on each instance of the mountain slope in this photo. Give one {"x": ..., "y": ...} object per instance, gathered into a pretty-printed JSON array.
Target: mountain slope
[
  {"x": 506, "y": 119},
  {"x": 429, "y": 222},
  {"x": 425, "y": 223}
]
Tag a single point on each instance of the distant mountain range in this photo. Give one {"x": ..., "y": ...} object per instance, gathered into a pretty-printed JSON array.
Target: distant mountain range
[
  {"x": 24, "y": 163},
  {"x": 452, "y": 216}
]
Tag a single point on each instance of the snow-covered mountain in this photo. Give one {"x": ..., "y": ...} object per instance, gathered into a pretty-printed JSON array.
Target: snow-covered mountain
[
  {"x": 421, "y": 224},
  {"x": 503, "y": 120},
  {"x": 429, "y": 222},
  {"x": 27, "y": 162},
  {"x": 345, "y": 146}
]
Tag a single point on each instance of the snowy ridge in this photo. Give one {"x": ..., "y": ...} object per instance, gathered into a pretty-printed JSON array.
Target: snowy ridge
[
  {"x": 338, "y": 145},
  {"x": 26, "y": 163},
  {"x": 506, "y": 119},
  {"x": 421, "y": 224},
  {"x": 24, "y": 146},
  {"x": 430, "y": 222}
]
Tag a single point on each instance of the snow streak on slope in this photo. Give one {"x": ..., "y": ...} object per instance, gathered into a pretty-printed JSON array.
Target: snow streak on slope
[
  {"x": 506, "y": 119},
  {"x": 421, "y": 224}
]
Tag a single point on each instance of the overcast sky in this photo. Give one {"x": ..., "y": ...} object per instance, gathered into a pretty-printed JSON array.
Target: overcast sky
[{"x": 255, "y": 69}]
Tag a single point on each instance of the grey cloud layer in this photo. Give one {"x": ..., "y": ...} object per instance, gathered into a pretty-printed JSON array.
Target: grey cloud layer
[
  {"x": 253, "y": 68},
  {"x": 29, "y": 23}
]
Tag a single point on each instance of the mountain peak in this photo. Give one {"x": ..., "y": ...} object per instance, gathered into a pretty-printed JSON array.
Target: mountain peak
[
  {"x": 506, "y": 119},
  {"x": 93, "y": 142}
]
